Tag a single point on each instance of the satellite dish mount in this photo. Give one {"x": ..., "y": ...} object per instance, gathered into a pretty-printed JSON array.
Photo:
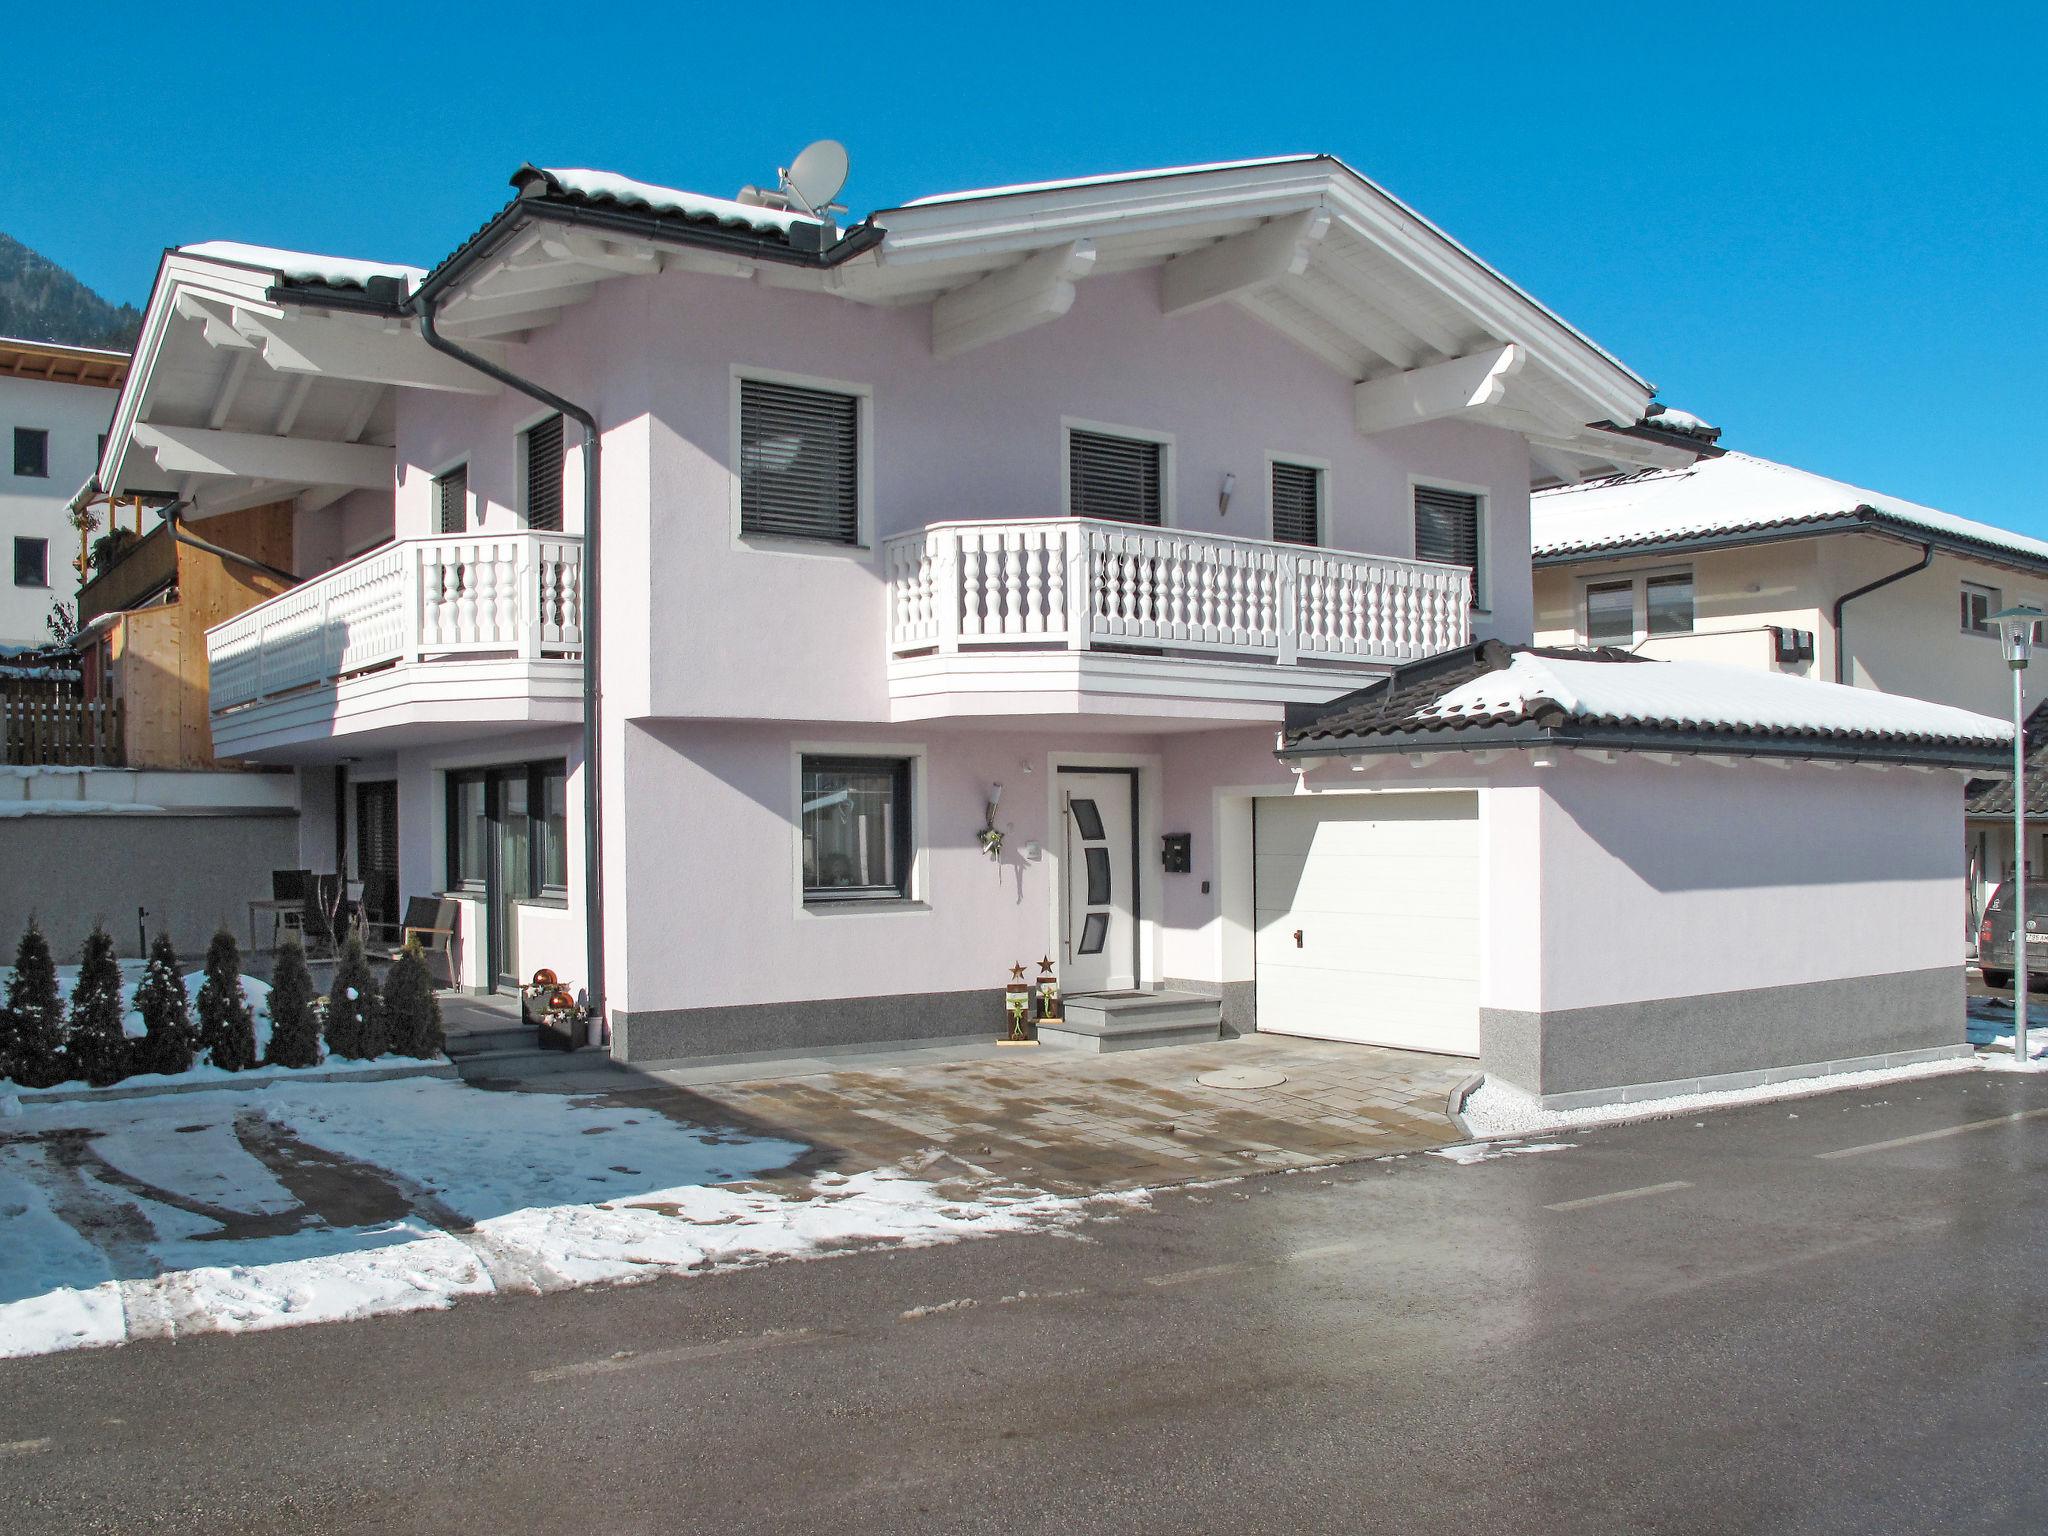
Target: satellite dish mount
[{"x": 815, "y": 178}]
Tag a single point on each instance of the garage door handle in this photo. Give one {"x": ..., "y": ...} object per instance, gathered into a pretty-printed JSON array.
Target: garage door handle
[{"x": 1297, "y": 938}]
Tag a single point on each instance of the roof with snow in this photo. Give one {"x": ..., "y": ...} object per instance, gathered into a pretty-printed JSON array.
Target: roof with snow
[
  {"x": 304, "y": 267},
  {"x": 1738, "y": 497},
  {"x": 1494, "y": 694},
  {"x": 1993, "y": 797},
  {"x": 601, "y": 187}
]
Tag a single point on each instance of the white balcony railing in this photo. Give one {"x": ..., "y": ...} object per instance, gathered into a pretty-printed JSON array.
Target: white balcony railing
[
  {"x": 420, "y": 600},
  {"x": 1074, "y": 584}
]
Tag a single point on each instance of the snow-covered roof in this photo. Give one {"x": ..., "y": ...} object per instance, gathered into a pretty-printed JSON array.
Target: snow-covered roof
[
  {"x": 1636, "y": 701},
  {"x": 1108, "y": 179},
  {"x": 608, "y": 187},
  {"x": 1732, "y": 494},
  {"x": 303, "y": 266}
]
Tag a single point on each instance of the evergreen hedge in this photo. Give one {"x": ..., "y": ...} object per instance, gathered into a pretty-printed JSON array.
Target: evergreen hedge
[
  {"x": 98, "y": 1046},
  {"x": 412, "y": 1010},
  {"x": 355, "y": 1011},
  {"x": 294, "y": 1027},
  {"x": 227, "y": 1029},
  {"x": 169, "y": 1041},
  {"x": 32, "y": 1023}
]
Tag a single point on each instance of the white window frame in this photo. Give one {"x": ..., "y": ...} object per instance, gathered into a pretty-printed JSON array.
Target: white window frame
[
  {"x": 918, "y": 901},
  {"x": 1168, "y": 467},
  {"x": 1325, "y": 501},
  {"x": 1638, "y": 580},
  {"x": 1482, "y": 586},
  {"x": 866, "y": 550}
]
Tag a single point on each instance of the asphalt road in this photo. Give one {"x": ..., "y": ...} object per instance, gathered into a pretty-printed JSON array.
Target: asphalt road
[{"x": 1827, "y": 1315}]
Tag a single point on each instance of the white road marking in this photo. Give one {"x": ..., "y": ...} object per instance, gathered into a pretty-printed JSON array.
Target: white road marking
[
  {"x": 1618, "y": 1194},
  {"x": 24, "y": 1447},
  {"x": 1325, "y": 1251},
  {"x": 1952, "y": 1130},
  {"x": 633, "y": 1361},
  {"x": 1186, "y": 1276}
]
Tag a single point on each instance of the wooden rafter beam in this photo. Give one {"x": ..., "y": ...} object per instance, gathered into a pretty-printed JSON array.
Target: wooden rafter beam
[
  {"x": 1037, "y": 289},
  {"x": 1437, "y": 391},
  {"x": 259, "y": 456},
  {"x": 1278, "y": 248},
  {"x": 344, "y": 350}
]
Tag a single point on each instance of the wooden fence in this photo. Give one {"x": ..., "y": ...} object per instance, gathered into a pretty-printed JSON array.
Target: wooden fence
[{"x": 51, "y": 722}]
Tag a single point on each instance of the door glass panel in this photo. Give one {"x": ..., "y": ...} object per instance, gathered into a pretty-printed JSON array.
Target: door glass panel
[
  {"x": 1098, "y": 876},
  {"x": 515, "y": 867},
  {"x": 1089, "y": 820},
  {"x": 472, "y": 833},
  {"x": 1094, "y": 931}
]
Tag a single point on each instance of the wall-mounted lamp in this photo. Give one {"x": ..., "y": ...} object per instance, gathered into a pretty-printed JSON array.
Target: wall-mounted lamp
[
  {"x": 1223, "y": 497},
  {"x": 991, "y": 837}
]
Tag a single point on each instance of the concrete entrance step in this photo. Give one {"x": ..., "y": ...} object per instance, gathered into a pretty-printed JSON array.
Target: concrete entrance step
[{"x": 1133, "y": 1021}]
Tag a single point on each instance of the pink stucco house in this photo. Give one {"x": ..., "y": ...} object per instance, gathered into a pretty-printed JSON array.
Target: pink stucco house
[{"x": 1173, "y": 525}]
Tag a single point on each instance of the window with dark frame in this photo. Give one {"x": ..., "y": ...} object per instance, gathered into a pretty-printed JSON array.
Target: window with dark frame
[
  {"x": 32, "y": 453},
  {"x": 1611, "y": 613},
  {"x": 1447, "y": 530},
  {"x": 1297, "y": 503},
  {"x": 544, "y": 458},
  {"x": 31, "y": 562},
  {"x": 1667, "y": 604},
  {"x": 479, "y": 798},
  {"x": 451, "y": 500},
  {"x": 1119, "y": 479},
  {"x": 799, "y": 463},
  {"x": 1979, "y": 603},
  {"x": 855, "y": 815}
]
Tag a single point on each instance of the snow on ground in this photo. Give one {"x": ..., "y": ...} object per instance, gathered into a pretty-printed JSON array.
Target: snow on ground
[
  {"x": 1495, "y": 1109},
  {"x": 307, "y": 1202},
  {"x": 1487, "y": 1151},
  {"x": 1990, "y": 1021}
]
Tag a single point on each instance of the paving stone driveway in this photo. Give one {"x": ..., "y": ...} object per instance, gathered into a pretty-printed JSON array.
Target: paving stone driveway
[{"x": 1078, "y": 1124}]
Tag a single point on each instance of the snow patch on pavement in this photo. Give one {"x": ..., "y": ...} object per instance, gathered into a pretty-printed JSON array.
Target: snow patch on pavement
[
  {"x": 1495, "y": 1109},
  {"x": 1487, "y": 1151}
]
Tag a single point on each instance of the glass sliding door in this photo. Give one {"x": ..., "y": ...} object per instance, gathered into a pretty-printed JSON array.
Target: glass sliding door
[{"x": 507, "y": 835}]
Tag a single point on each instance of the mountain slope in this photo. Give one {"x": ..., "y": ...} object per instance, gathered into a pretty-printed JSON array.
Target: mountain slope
[{"x": 40, "y": 301}]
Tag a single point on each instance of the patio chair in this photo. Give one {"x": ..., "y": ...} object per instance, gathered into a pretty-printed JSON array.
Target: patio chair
[
  {"x": 431, "y": 920},
  {"x": 316, "y": 920}
]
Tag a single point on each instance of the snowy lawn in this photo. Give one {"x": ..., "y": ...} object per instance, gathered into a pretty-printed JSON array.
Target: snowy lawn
[
  {"x": 1990, "y": 1021},
  {"x": 309, "y": 1202}
]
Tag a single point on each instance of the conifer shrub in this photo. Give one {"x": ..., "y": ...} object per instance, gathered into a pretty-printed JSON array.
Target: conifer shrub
[
  {"x": 96, "y": 1044},
  {"x": 32, "y": 1022},
  {"x": 411, "y": 1009},
  {"x": 169, "y": 1041},
  {"x": 355, "y": 1012},
  {"x": 227, "y": 1029},
  {"x": 294, "y": 1027}
]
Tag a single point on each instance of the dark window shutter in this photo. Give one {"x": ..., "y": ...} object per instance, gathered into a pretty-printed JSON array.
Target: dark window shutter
[
  {"x": 1117, "y": 478},
  {"x": 1447, "y": 529},
  {"x": 799, "y": 463},
  {"x": 544, "y": 475},
  {"x": 1297, "y": 504},
  {"x": 451, "y": 500}
]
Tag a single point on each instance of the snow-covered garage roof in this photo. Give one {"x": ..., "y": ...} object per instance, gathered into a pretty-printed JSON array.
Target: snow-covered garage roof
[
  {"x": 1738, "y": 494},
  {"x": 304, "y": 266},
  {"x": 1492, "y": 694}
]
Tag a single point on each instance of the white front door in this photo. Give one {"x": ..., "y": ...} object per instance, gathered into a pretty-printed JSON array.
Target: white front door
[
  {"x": 1368, "y": 919},
  {"x": 1099, "y": 910}
]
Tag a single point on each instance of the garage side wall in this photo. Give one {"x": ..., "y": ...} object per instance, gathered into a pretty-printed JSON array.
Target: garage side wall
[{"x": 1728, "y": 923}]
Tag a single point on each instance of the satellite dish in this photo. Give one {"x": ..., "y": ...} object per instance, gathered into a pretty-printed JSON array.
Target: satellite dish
[{"x": 816, "y": 175}]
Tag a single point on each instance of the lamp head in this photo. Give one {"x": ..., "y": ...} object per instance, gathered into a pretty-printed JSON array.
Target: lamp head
[{"x": 2016, "y": 633}]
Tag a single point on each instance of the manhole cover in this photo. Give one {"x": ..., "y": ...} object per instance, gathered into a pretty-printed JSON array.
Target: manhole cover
[{"x": 1243, "y": 1077}]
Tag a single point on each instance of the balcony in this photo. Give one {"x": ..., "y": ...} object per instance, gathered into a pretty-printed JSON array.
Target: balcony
[
  {"x": 1070, "y": 615},
  {"x": 418, "y": 640}
]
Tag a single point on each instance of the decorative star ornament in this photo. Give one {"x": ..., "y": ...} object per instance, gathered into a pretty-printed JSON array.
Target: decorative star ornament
[
  {"x": 1046, "y": 965},
  {"x": 1016, "y": 973}
]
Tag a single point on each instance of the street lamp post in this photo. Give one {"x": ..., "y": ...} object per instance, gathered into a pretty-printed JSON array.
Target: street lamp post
[{"x": 2016, "y": 635}]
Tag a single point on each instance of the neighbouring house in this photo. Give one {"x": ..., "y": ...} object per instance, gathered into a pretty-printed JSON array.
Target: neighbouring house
[
  {"x": 958, "y": 574},
  {"x": 54, "y": 404},
  {"x": 1738, "y": 559}
]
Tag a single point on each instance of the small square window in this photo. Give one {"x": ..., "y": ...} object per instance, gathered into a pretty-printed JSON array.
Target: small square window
[
  {"x": 1668, "y": 604},
  {"x": 31, "y": 562},
  {"x": 856, "y": 828},
  {"x": 799, "y": 463},
  {"x": 32, "y": 453},
  {"x": 1297, "y": 503},
  {"x": 1611, "y": 613},
  {"x": 1979, "y": 603},
  {"x": 1117, "y": 479},
  {"x": 1447, "y": 530}
]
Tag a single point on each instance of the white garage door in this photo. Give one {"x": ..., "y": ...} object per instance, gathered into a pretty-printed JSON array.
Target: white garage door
[{"x": 1368, "y": 919}]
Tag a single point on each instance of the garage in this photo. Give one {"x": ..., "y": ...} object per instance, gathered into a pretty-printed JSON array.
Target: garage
[{"x": 1367, "y": 912}]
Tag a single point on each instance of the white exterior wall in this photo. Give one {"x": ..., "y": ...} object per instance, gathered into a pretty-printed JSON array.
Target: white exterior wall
[{"x": 74, "y": 415}]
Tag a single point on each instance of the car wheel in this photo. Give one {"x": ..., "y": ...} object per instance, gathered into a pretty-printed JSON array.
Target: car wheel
[{"x": 1998, "y": 978}]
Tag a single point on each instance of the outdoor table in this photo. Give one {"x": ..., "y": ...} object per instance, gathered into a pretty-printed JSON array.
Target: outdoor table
[{"x": 276, "y": 909}]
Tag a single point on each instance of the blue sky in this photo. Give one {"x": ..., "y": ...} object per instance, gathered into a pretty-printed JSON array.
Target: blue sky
[{"x": 1821, "y": 227}]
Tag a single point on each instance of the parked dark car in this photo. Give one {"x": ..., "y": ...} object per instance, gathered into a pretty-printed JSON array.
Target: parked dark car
[{"x": 1994, "y": 936}]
